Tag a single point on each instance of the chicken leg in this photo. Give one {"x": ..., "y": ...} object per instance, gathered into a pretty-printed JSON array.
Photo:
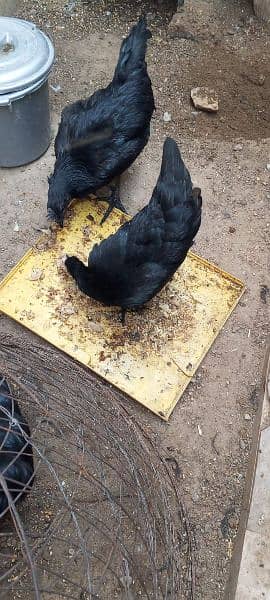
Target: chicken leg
[
  {"x": 123, "y": 316},
  {"x": 114, "y": 202}
]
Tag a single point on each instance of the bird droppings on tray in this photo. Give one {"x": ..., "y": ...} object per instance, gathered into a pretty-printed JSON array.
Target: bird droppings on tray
[
  {"x": 66, "y": 309},
  {"x": 27, "y": 314},
  {"x": 155, "y": 354},
  {"x": 36, "y": 274},
  {"x": 86, "y": 233}
]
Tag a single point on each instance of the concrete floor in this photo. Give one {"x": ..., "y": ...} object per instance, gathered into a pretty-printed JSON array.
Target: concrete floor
[
  {"x": 234, "y": 234},
  {"x": 8, "y": 7}
]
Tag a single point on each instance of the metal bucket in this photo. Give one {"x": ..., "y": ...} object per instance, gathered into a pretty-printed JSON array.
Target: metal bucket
[{"x": 26, "y": 58}]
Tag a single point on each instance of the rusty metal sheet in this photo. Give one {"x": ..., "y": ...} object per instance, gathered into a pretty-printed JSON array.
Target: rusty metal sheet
[{"x": 152, "y": 358}]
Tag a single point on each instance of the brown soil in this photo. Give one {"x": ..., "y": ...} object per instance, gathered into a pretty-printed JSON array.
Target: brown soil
[
  {"x": 230, "y": 50},
  {"x": 227, "y": 154}
]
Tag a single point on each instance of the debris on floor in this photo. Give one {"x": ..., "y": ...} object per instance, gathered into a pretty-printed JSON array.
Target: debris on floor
[{"x": 205, "y": 99}]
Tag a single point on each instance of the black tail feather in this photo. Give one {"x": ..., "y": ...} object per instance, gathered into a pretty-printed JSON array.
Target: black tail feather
[
  {"x": 172, "y": 164},
  {"x": 175, "y": 192},
  {"x": 133, "y": 50}
]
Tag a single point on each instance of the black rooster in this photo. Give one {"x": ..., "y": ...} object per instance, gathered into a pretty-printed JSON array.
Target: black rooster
[
  {"x": 99, "y": 138},
  {"x": 16, "y": 454},
  {"x": 131, "y": 266}
]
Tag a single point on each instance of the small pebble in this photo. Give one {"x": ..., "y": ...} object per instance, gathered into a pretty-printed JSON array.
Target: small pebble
[
  {"x": 167, "y": 117},
  {"x": 247, "y": 417},
  {"x": 238, "y": 147},
  {"x": 70, "y": 6},
  {"x": 268, "y": 167},
  {"x": 55, "y": 88},
  {"x": 205, "y": 99},
  {"x": 261, "y": 80},
  {"x": 261, "y": 519},
  {"x": 242, "y": 445}
]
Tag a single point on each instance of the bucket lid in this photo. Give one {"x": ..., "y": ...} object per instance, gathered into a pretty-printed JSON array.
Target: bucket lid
[{"x": 26, "y": 54}]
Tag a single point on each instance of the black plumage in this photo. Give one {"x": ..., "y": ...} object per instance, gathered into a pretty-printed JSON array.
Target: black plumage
[
  {"x": 99, "y": 138},
  {"x": 16, "y": 453},
  {"x": 131, "y": 266}
]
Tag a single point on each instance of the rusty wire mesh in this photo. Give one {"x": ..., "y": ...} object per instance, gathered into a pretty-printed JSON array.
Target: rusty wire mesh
[{"x": 104, "y": 518}]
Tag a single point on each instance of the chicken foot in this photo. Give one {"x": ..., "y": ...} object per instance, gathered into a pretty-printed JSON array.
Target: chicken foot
[
  {"x": 123, "y": 313},
  {"x": 114, "y": 202},
  {"x": 123, "y": 316}
]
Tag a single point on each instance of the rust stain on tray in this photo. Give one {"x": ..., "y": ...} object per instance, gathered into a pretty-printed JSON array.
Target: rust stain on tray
[{"x": 155, "y": 355}]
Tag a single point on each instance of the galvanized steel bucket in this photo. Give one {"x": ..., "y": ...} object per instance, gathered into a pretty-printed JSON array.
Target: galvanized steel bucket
[{"x": 26, "y": 59}]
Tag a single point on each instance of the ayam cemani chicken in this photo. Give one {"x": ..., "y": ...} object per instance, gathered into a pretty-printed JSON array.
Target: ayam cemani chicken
[
  {"x": 131, "y": 266},
  {"x": 16, "y": 453},
  {"x": 99, "y": 138}
]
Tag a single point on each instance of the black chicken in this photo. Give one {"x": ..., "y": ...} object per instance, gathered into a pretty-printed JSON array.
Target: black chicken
[
  {"x": 99, "y": 138},
  {"x": 16, "y": 454},
  {"x": 131, "y": 266}
]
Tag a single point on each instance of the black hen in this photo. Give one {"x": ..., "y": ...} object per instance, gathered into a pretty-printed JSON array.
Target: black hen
[
  {"x": 16, "y": 454},
  {"x": 131, "y": 266},
  {"x": 99, "y": 138}
]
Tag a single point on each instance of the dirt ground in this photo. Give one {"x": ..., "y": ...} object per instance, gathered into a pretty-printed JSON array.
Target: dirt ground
[{"x": 228, "y": 155}]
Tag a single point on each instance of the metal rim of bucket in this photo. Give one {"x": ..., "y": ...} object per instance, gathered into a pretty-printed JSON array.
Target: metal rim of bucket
[
  {"x": 14, "y": 92},
  {"x": 8, "y": 99}
]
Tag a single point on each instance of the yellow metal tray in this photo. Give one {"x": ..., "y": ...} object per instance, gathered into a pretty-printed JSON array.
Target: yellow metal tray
[{"x": 155, "y": 355}]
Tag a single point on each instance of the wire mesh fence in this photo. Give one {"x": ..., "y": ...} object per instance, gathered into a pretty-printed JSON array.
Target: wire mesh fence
[{"x": 102, "y": 516}]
